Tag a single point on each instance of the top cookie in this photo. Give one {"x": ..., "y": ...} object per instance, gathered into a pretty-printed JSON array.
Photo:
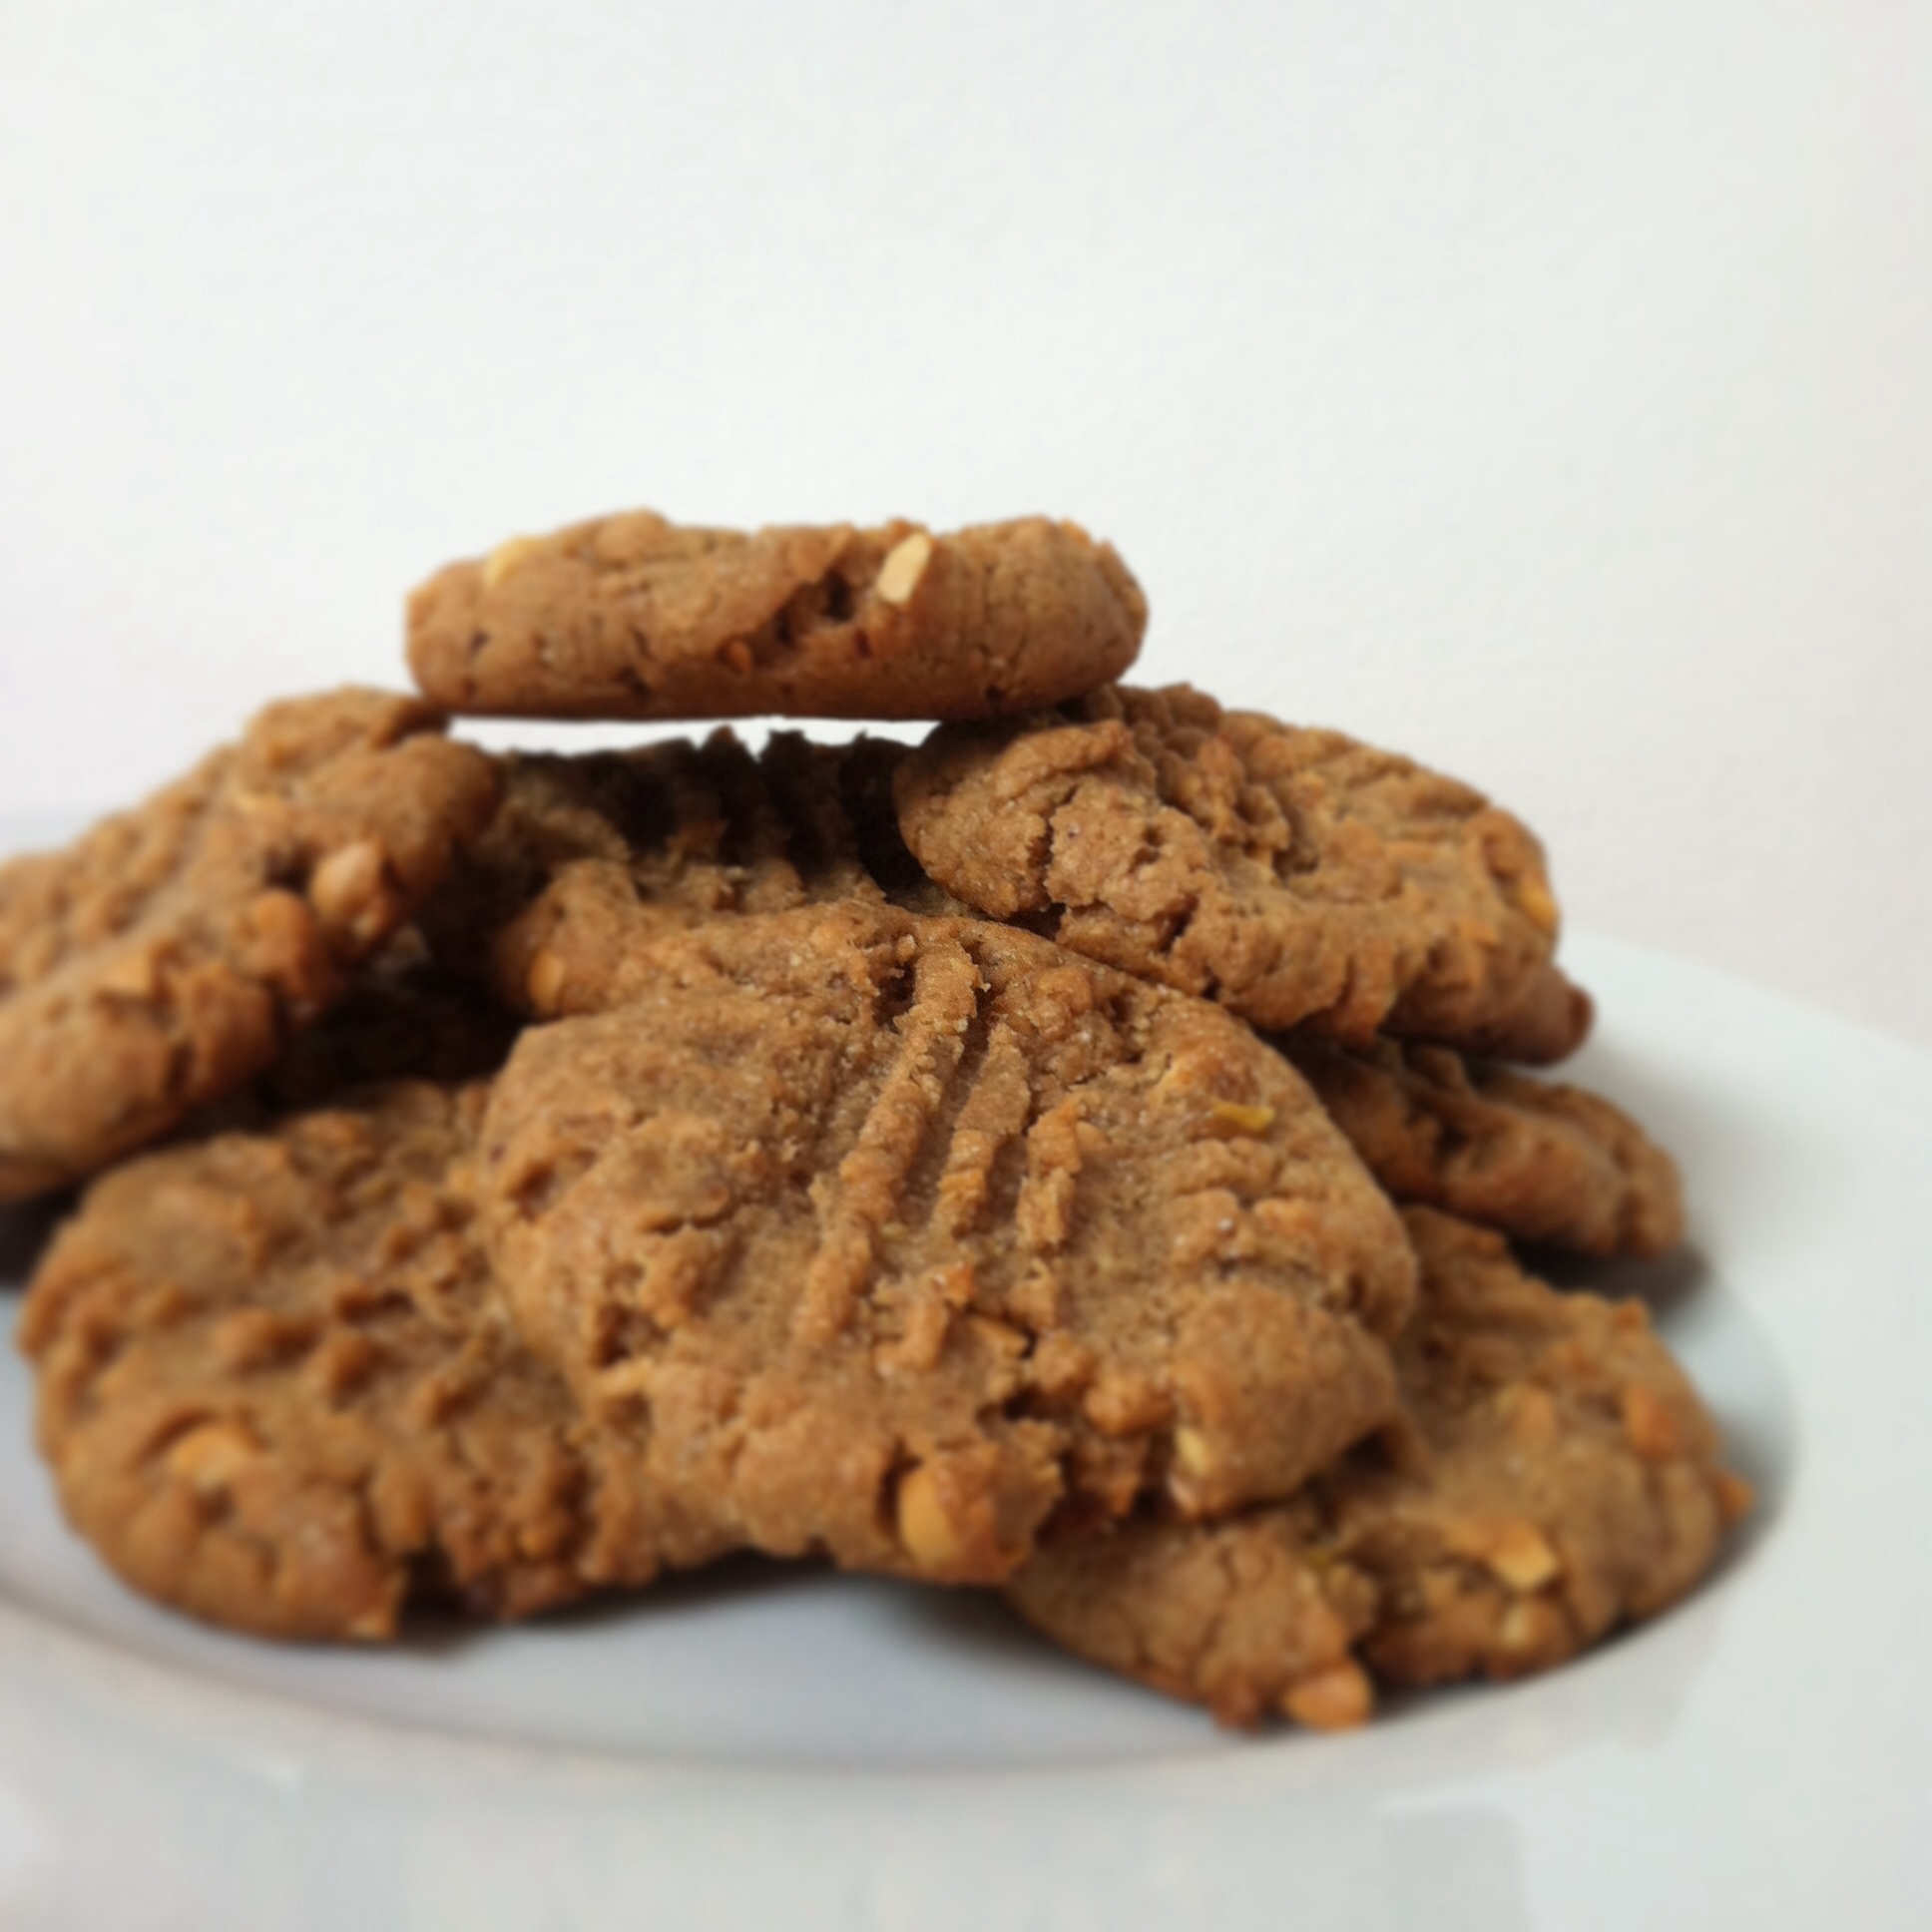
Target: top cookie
[
  {"x": 634, "y": 616},
  {"x": 1295, "y": 875},
  {"x": 163, "y": 960}
]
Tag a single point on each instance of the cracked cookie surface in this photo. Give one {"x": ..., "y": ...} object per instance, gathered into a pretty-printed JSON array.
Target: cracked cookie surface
[
  {"x": 167, "y": 957},
  {"x": 280, "y": 1390},
  {"x": 1295, "y": 875},
  {"x": 1556, "y": 1475},
  {"x": 1538, "y": 1160},
  {"x": 898, "y": 1237},
  {"x": 635, "y": 617}
]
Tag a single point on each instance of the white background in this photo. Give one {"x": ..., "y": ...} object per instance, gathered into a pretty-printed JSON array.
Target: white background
[{"x": 1541, "y": 390}]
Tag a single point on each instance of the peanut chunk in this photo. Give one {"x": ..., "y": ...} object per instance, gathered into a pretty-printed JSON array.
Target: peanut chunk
[
  {"x": 905, "y": 562},
  {"x": 1521, "y": 1556},
  {"x": 135, "y": 974},
  {"x": 545, "y": 982},
  {"x": 1531, "y": 1632},
  {"x": 506, "y": 557},
  {"x": 1538, "y": 903},
  {"x": 350, "y": 891},
  {"x": 210, "y": 1457},
  {"x": 1337, "y": 1699},
  {"x": 926, "y": 1527}
]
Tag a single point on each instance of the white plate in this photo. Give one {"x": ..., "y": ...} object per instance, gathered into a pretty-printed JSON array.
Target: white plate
[{"x": 761, "y": 1748}]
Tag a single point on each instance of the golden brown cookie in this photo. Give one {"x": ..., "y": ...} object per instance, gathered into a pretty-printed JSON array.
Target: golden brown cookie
[
  {"x": 634, "y": 616},
  {"x": 898, "y": 1237},
  {"x": 1295, "y": 875},
  {"x": 1556, "y": 1476},
  {"x": 165, "y": 959},
  {"x": 280, "y": 1390},
  {"x": 1538, "y": 1161}
]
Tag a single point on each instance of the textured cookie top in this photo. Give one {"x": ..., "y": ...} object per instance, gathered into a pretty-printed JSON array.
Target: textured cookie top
[
  {"x": 1538, "y": 1161},
  {"x": 634, "y": 616},
  {"x": 279, "y": 1390},
  {"x": 906, "y": 1235},
  {"x": 1556, "y": 1474},
  {"x": 1295, "y": 875},
  {"x": 163, "y": 960}
]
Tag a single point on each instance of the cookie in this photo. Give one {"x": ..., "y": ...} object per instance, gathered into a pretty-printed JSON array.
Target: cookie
[
  {"x": 280, "y": 1390},
  {"x": 587, "y": 856},
  {"x": 166, "y": 958},
  {"x": 900, "y": 1237},
  {"x": 1295, "y": 875},
  {"x": 1556, "y": 1476},
  {"x": 1538, "y": 1161},
  {"x": 634, "y": 616}
]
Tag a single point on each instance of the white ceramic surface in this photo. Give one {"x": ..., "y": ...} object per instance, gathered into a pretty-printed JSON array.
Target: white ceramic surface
[{"x": 759, "y": 1748}]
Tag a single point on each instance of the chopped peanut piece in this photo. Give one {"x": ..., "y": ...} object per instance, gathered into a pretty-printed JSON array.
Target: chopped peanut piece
[
  {"x": 1337, "y": 1699},
  {"x": 1532, "y": 1628},
  {"x": 545, "y": 982},
  {"x": 904, "y": 565},
  {"x": 998, "y": 1336},
  {"x": 926, "y": 1527},
  {"x": 211, "y": 1456},
  {"x": 287, "y": 950},
  {"x": 1538, "y": 903},
  {"x": 350, "y": 890},
  {"x": 505, "y": 557},
  {"x": 1522, "y": 1557}
]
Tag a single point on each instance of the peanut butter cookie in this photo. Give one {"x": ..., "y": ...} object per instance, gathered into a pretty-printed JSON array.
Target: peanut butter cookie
[
  {"x": 634, "y": 616},
  {"x": 165, "y": 959},
  {"x": 1295, "y": 875},
  {"x": 1556, "y": 1475},
  {"x": 280, "y": 1389},
  {"x": 896, "y": 1238},
  {"x": 1538, "y": 1160}
]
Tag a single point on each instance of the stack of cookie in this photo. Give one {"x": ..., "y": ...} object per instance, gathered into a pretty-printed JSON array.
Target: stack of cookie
[{"x": 1077, "y": 1156}]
